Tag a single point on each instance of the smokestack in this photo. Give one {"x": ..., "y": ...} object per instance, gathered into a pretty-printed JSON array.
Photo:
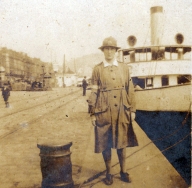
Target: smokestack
[
  {"x": 156, "y": 32},
  {"x": 156, "y": 25}
]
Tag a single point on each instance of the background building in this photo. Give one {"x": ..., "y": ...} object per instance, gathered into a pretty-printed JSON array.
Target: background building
[
  {"x": 18, "y": 66},
  {"x": 66, "y": 78}
]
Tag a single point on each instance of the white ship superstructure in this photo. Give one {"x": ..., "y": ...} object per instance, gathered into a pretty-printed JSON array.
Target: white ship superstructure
[{"x": 161, "y": 73}]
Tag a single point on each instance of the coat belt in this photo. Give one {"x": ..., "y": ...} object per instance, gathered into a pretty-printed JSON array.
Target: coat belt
[{"x": 109, "y": 89}]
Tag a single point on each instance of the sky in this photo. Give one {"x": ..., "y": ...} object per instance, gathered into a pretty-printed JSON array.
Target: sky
[{"x": 50, "y": 30}]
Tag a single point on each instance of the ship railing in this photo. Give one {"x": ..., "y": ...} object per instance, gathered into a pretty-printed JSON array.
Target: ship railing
[{"x": 155, "y": 53}]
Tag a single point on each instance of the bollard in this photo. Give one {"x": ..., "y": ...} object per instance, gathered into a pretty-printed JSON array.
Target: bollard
[{"x": 56, "y": 165}]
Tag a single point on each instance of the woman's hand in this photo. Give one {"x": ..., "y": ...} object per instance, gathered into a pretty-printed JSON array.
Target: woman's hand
[
  {"x": 93, "y": 123},
  {"x": 133, "y": 116},
  {"x": 93, "y": 120}
]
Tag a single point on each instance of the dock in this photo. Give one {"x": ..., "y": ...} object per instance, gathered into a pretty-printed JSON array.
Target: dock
[
  {"x": 147, "y": 166},
  {"x": 65, "y": 120}
]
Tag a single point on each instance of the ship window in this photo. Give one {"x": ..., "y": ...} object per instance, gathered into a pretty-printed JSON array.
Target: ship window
[
  {"x": 149, "y": 82},
  {"x": 139, "y": 82},
  {"x": 184, "y": 79},
  {"x": 165, "y": 81}
]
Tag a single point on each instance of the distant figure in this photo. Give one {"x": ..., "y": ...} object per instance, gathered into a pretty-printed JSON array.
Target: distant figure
[
  {"x": 33, "y": 85},
  {"x": 84, "y": 85},
  {"x": 6, "y": 94}
]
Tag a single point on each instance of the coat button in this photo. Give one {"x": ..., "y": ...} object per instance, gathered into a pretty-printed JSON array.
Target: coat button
[
  {"x": 115, "y": 105},
  {"x": 113, "y": 78},
  {"x": 114, "y": 96}
]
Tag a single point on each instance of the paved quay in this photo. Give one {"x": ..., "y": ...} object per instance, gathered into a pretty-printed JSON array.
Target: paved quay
[{"x": 70, "y": 122}]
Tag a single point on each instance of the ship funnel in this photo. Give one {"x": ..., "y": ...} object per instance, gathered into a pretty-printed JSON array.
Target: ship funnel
[
  {"x": 156, "y": 32},
  {"x": 179, "y": 38},
  {"x": 131, "y": 40},
  {"x": 156, "y": 25}
]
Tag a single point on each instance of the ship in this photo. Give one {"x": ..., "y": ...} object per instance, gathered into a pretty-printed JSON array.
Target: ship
[{"x": 161, "y": 75}]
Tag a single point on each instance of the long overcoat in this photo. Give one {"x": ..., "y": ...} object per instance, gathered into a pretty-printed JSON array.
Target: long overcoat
[
  {"x": 6, "y": 94},
  {"x": 113, "y": 100}
]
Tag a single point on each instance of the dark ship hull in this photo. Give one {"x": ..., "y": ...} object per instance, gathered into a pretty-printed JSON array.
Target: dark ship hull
[{"x": 171, "y": 134}]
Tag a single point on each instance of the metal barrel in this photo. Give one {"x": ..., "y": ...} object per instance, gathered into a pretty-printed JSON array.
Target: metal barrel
[{"x": 56, "y": 165}]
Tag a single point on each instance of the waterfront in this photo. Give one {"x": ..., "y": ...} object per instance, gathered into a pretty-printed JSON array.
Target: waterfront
[{"x": 61, "y": 115}]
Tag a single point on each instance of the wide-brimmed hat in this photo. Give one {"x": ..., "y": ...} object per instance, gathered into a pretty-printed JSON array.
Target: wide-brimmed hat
[{"x": 109, "y": 42}]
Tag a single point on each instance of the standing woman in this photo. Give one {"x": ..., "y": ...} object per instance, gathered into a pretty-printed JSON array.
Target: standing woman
[
  {"x": 6, "y": 94},
  {"x": 112, "y": 109}
]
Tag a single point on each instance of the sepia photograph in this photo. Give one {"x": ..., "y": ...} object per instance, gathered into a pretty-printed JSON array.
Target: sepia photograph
[{"x": 95, "y": 94}]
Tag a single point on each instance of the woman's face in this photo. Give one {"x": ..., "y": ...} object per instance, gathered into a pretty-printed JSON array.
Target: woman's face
[{"x": 109, "y": 53}]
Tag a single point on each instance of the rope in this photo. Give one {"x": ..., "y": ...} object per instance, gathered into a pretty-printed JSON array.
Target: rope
[
  {"x": 176, "y": 143},
  {"x": 99, "y": 174},
  {"x": 186, "y": 117},
  {"x": 174, "y": 132},
  {"x": 183, "y": 122},
  {"x": 152, "y": 141}
]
